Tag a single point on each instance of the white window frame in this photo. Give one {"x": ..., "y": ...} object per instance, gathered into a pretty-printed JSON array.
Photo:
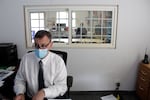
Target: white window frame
[{"x": 114, "y": 9}]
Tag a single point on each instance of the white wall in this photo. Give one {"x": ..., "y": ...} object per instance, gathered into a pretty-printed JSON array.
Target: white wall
[{"x": 97, "y": 68}]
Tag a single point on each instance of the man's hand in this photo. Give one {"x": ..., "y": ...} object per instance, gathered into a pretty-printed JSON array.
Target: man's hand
[
  {"x": 20, "y": 97},
  {"x": 39, "y": 95}
]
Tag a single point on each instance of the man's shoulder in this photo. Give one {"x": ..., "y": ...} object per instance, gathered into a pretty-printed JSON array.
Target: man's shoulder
[
  {"x": 52, "y": 54},
  {"x": 55, "y": 56},
  {"x": 29, "y": 55}
]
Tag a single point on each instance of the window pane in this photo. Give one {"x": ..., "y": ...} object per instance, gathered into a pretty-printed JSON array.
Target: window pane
[
  {"x": 62, "y": 17},
  {"x": 65, "y": 21},
  {"x": 50, "y": 20},
  {"x": 96, "y": 14},
  {"x": 73, "y": 15},
  {"x": 106, "y": 32},
  {"x": 74, "y": 23},
  {"x": 41, "y": 15},
  {"x": 41, "y": 23},
  {"x": 62, "y": 14},
  {"x": 57, "y": 24},
  {"x": 60, "y": 40},
  {"x": 35, "y": 23},
  {"x": 33, "y": 34},
  {"x": 107, "y": 23},
  {"x": 41, "y": 28},
  {"x": 33, "y": 31},
  {"x": 73, "y": 19},
  {"x": 34, "y": 16},
  {"x": 81, "y": 16},
  {"x": 97, "y": 29},
  {"x": 79, "y": 24},
  {"x": 94, "y": 28},
  {"x": 107, "y": 14}
]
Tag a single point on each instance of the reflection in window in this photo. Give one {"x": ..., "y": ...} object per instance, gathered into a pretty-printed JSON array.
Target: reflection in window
[
  {"x": 62, "y": 17},
  {"x": 60, "y": 34},
  {"x": 93, "y": 27},
  {"x": 73, "y": 26}
]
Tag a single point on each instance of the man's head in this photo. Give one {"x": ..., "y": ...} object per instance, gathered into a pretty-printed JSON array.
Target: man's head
[
  {"x": 43, "y": 40},
  {"x": 42, "y": 43}
]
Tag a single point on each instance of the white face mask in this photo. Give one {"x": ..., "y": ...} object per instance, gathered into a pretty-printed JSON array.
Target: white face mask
[{"x": 41, "y": 53}]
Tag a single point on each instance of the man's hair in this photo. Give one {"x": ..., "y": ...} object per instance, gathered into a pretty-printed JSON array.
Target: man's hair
[{"x": 42, "y": 33}]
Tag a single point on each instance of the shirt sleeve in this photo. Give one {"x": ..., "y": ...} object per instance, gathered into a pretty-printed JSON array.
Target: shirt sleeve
[
  {"x": 60, "y": 82},
  {"x": 19, "y": 82}
]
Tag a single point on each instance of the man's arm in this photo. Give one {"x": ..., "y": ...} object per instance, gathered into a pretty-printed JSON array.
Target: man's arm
[
  {"x": 39, "y": 95},
  {"x": 20, "y": 97},
  {"x": 19, "y": 82}
]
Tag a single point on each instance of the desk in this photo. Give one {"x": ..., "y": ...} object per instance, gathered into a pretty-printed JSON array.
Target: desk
[
  {"x": 7, "y": 89},
  {"x": 84, "y": 40}
]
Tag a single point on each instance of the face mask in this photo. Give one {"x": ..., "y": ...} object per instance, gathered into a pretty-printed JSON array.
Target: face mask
[{"x": 41, "y": 53}]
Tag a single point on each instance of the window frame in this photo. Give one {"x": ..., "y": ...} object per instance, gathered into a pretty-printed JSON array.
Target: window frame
[{"x": 35, "y": 8}]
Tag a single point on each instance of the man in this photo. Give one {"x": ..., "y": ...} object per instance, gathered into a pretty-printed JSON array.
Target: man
[{"x": 54, "y": 71}]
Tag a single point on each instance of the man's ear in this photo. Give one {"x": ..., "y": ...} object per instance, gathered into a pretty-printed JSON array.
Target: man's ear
[{"x": 50, "y": 45}]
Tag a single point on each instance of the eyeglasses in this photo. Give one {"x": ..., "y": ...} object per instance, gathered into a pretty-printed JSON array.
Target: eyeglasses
[{"x": 42, "y": 46}]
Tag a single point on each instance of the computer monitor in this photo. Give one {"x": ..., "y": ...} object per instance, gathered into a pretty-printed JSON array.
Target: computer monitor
[
  {"x": 8, "y": 54},
  {"x": 61, "y": 26}
]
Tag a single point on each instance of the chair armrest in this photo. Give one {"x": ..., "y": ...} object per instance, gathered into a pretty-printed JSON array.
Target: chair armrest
[{"x": 69, "y": 81}]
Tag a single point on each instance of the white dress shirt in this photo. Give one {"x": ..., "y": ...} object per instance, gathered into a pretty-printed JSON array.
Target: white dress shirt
[{"x": 54, "y": 73}]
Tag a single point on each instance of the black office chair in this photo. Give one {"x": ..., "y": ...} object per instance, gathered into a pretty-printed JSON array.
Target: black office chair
[
  {"x": 63, "y": 54},
  {"x": 81, "y": 32},
  {"x": 97, "y": 29}
]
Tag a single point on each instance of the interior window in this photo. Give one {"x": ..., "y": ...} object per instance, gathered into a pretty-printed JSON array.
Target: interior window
[{"x": 73, "y": 26}]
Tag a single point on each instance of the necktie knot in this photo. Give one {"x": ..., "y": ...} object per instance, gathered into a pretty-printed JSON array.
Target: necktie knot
[{"x": 40, "y": 63}]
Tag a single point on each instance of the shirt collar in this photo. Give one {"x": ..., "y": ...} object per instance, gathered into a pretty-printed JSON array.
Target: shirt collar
[{"x": 46, "y": 58}]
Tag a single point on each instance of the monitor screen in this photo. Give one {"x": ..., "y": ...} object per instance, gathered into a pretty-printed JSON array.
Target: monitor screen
[{"x": 61, "y": 26}]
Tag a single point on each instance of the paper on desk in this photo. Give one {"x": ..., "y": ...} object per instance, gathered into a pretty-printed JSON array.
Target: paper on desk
[
  {"x": 10, "y": 68},
  {"x": 109, "y": 97},
  {"x": 5, "y": 73},
  {"x": 1, "y": 83}
]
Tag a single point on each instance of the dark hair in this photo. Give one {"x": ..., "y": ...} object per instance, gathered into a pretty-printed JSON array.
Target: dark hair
[{"x": 42, "y": 33}]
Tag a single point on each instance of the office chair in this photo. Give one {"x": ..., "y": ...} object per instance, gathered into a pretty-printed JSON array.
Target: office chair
[
  {"x": 64, "y": 54},
  {"x": 81, "y": 32},
  {"x": 98, "y": 29}
]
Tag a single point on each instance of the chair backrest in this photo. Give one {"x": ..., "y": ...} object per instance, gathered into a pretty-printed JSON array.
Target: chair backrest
[
  {"x": 62, "y": 54},
  {"x": 84, "y": 31}
]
